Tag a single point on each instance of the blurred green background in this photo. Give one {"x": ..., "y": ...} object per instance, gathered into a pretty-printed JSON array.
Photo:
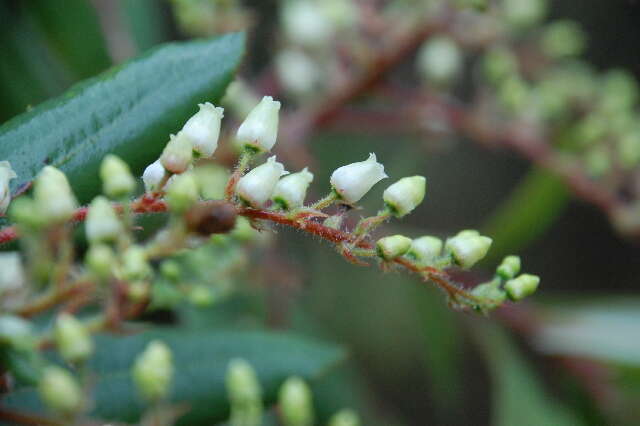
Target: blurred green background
[{"x": 413, "y": 360}]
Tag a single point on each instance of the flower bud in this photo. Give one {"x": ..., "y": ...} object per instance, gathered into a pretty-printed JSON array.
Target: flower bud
[
  {"x": 242, "y": 384},
  {"x": 59, "y": 390},
  {"x": 345, "y": 417},
  {"x": 509, "y": 267},
  {"x": 394, "y": 246},
  {"x": 53, "y": 195},
  {"x": 153, "y": 175},
  {"x": 563, "y": 39},
  {"x": 15, "y": 331},
  {"x": 153, "y": 371},
  {"x": 102, "y": 224},
  {"x": 117, "y": 180},
  {"x": 178, "y": 154},
  {"x": 521, "y": 287},
  {"x": 468, "y": 247},
  {"x": 440, "y": 60},
  {"x": 405, "y": 195},
  {"x": 6, "y": 175},
  {"x": 203, "y": 129},
  {"x": 295, "y": 401},
  {"x": 11, "y": 272},
  {"x": 524, "y": 13},
  {"x": 353, "y": 181},
  {"x": 291, "y": 190},
  {"x": 306, "y": 24},
  {"x": 499, "y": 63},
  {"x": 490, "y": 295},
  {"x": 182, "y": 192},
  {"x": 25, "y": 214},
  {"x": 629, "y": 149},
  {"x": 72, "y": 339},
  {"x": 100, "y": 260},
  {"x": 260, "y": 129},
  {"x": 212, "y": 180},
  {"x": 256, "y": 187},
  {"x": 135, "y": 265},
  {"x": 297, "y": 72},
  {"x": 425, "y": 249}
]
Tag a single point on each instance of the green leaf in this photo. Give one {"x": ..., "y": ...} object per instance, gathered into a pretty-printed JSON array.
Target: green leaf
[
  {"x": 200, "y": 359},
  {"x": 129, "y": 111},
  {"x": 601, "y": 329},
  {"x": 518, "y": 395}
]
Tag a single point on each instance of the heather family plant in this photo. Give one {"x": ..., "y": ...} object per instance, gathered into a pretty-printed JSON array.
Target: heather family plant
[{"x": 142, "y": 212}]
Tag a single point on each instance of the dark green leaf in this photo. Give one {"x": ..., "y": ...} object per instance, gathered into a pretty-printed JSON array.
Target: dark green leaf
[
  {"x": 128, "y": 111},
  {"x": 200, "y": 359}
]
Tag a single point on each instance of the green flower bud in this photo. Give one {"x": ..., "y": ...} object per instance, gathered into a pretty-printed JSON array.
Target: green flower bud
[
  {"x": 25, "y": 214},
  {"x": 182, "y": 192},
  {"x": 405, "y": 195},
  {"x": 135, "y": 265},
  {"x": 468, "y": 247},
  {"x": 514, "y": 94},
  {"x": 59, "y": 391},
  {"x": 170, "y": 269},
  {"x": 425, "y": 249},
  {"x": 178, "y": 154},
  {"x": 153, "y": 371},
  {"x": 440, "y": 60},
  {"x": 117, "y": 180},
  {"x": 563, "y": 39},
  {"x": 499, "y": 64},
  {"x": 212, "y": 180},
  {"x": 629, "y": 149},
  {"x": 490, "y": 294},
  {"x": 296, "y": 405},
  {"x": 521, "y": 287},
  {"x": 72, "y": 339},
  {"x": 53, "y": 196},
  {"x": 509, "y": 268},
  {"x": 619, "y": 91},
  {"x": 522, "y": 14},
  {"x": 201, "y": 296},
  {"x": 394, "y": 246},
  {"x": 102, "y": 223},
  {"x": 244, "y": 393},
  {"x": 345, "y": 417},
  {"x": 100, "y": 259}
]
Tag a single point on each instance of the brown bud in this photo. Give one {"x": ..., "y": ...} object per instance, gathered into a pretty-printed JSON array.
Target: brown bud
[{"x": 214, "y": 217}]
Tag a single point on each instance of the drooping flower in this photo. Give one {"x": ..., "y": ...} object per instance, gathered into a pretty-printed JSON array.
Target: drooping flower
[
  {"x": 353, "y": 181},
  {"x": 256, "y": 187}
]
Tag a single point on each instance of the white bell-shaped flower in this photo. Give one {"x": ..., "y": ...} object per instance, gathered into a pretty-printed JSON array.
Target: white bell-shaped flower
[
  {"x": 102, "y": 222},
  {"x": 354, "y": 180},
  {"x": 53, "y": 195},
  {"x": 203, "y": 129},
  {"x": 153, "y": 176},
  {"x": 291, "y": 190},
  {"x": 6, "y": 174},
  {"x": 468, "y": 247},
  {"x": 178, "y": 154},
  {"x": 256, "y": 187},
  {"x": 260, "y": 129},
  {"x": 405, "y": 195}
]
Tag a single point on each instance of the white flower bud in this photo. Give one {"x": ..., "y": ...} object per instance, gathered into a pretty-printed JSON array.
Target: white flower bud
[
  {"x": 72, "y": 339},
  {"x": 6, "y": 174},
  {"x": 117, "y": 180},
  {"x": 60, "y": 391},
  {"x": 394, "y": 246},
  {"x": 178, "y": 154},
  {"x": 102, "y": 224},
  {"x": 53, "y": 195},
  {"x": 345, "y": 417},
  {"x": 405, "y": 195},
  {"x": 256, "y": 187},
  {"x": 153, "y": 371},
  {"x": 468, "y": 247},
  {"x": 242, "y": 383},
  {"x": 153, "y": 176},
  {"x": 297, "y": 72},
  {"x": 306, "y": 24},
  {"x": 521, "y": 287},
  {"x": 182, "y": 192},
  {"x": 259, "y": 130},
  {"x": 295, "y": 403},
  {"x": 292, "y": 189},
  {"x": 135, "y": 265},
  {"x": 440, "y": 60},
  {"x": 425, "y": 249},
  {"x": 509, "y": 267},
  {"x": 11, "y": 272},
  {"x": 203, "y": 129},
  {"x": 100, "y": 260},
  {"x": 354, "y": 180}
]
